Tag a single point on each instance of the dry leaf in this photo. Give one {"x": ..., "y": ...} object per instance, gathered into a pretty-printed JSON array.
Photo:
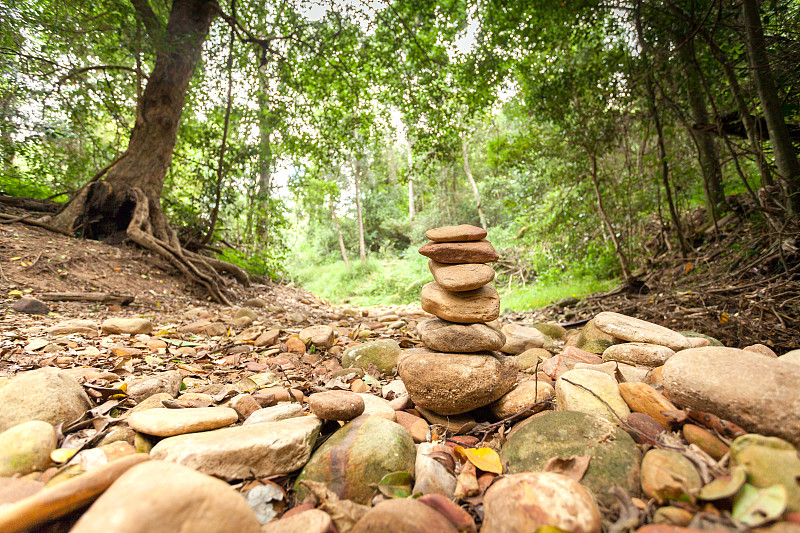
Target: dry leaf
[{"x": 574, "y": 467}]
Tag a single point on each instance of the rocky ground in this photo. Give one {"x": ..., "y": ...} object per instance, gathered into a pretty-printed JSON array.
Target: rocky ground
[{"x": 284, "y": 413}]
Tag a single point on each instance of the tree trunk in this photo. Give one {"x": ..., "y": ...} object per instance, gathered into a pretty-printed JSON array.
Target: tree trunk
[
  {"x": 339, "y": 233},
  {"x": 468, "y": 172},
  {"x": 623, "y": 259},
  {"x": 128, "y": 200},
  {"x": 662, "y": 151},
  {"x": 266, "y": 127},
  {"x": 362, "y": 246},
  {"x": 149, "y": 153},
  {"x": 785, "y": 157},
  {"x": 707, "y": 152},
  {"x": 411, "y": 207},
  {"x": 748, "y": 122}
]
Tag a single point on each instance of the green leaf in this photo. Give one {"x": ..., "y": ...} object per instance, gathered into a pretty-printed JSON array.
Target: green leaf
[
  {"x": 724, "y": 487},
  {"x": 371, "y": 381},
  {"x": 754, "y": 507},
  {"x": 396, "y": 485}
]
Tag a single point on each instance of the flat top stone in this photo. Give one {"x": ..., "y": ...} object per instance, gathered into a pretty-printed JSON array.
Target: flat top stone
[
  {"x": 444, "y": 336},
  {"x": 336, "y": 405},
  {"x": 463, "y": 277},
  {"x": 460, "y": 252},
  {"x": 462, "y": 232},
  {"x": 168, "y": 422},
  {"x": 636, "y": 330},
  {"x": 479, "y": 305}
]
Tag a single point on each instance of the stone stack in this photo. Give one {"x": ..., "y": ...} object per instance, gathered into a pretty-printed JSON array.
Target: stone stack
[{"x": 460, "y": 368}]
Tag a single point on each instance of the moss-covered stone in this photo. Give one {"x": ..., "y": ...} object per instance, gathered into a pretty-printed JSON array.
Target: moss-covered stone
[
  {"x": 381, "y": 353},
  {"x": 614, "y": 455},
  {"x": 597, "y": 346},
  {"x": 769, "y": 461},
  {"x": 590, "y": 333},
  {"x": 355, "y": 458},
  {"x": 693, "y": 334},
  {"x": 553, "y": 331}
]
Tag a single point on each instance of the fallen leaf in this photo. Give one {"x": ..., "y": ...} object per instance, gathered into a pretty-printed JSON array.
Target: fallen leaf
[
  {"x": 396, "y": 485},
  {"x": 754, "y": 507},
  {"x": 485, "y": 459},
  {"x": 724, "y": 487},
  {"x": 574, "y": 467}
]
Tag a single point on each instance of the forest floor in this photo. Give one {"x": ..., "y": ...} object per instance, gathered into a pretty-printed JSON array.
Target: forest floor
[{"x": 740, "y": 300}]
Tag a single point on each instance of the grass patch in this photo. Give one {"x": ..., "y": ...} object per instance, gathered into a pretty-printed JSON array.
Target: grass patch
[
  {"x": 381, "y": 281},
  {"x": 541, "y": 294}
]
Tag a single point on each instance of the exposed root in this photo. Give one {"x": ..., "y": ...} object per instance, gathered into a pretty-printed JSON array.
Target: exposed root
[{"x": 197, "y": 269}]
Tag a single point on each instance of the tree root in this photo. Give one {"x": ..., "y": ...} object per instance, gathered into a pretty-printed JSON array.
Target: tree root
[{"x": 194, "y": 266}]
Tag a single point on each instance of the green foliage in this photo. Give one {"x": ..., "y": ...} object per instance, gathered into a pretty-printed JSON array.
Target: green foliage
[{"x": 543, "y": 293}]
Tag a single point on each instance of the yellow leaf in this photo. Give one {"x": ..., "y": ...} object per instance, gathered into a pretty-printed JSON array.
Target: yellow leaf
[
  {"x": 485, "y": 459},
  {"x": 723, "y": 318},
  {"x": 15, "y": 293},
  {"x": 15, "y": 259},
  {"x": 62, "y": 455},
  {"x": 688, "y": 268}
]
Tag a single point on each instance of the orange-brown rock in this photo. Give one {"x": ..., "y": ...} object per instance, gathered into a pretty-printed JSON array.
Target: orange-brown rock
[{"x": 460, "y": 252}]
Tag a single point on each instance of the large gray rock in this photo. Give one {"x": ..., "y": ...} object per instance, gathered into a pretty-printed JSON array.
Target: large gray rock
[
  {"x": 26, "y": 448},
  {"x": 158, "y": 497},
  {"x": 443, "y": 336},
  {"x": 449, "y": 384},
  {"x": 467, "y": 307},
  {"x": 636, "y": 330},
  {"x": 759, "y": 393},
  {"x": 614, "y": 455},
  {"x": 381, "y": 353},
  {"x": 47, "y": 394},
  {"x": 355, "y": 458},
  {"x": 262, "y": 450}
]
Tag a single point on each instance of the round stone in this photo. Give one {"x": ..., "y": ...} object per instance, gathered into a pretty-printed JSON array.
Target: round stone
[
  {"x": 638, "y": 353},
  {"x": 532, "y": 500},
  {"x": 450, "y": 384},
  {"x": 336, "y": 405},
  {"x": 26, "y": 448},
  {"x": 467, "y": 307},
  {"x": 464, "y": 277},
  {"x": 443, "y": 336}
]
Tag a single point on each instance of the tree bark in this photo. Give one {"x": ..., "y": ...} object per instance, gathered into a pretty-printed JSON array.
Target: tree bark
[
  {"x": 623, "y": 259},
  {"x": 362, "y": 246},
  {"x": 152, "y": 140},
  {"x": 468, "y": 172},
  {"x": 662, "y": 151},
  {"x": 411, "y": 207},
  {"x": 708, "y": 155},
  {"x": 339, "y": 233},
  {"x": 785, "y": 156}
]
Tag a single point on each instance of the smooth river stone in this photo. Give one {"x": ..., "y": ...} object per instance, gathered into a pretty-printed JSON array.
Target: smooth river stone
[
  {"x": 468, "y": 307},
  {"x": 336, "y": 405},
  {"x": 572, "y": 395},
  {"x": 260, "y": 450},
  {"x": 169, "y": 422},
  {"x": 460, "y": 252},
  {"x": 462, "y": 232},
  {"x": 758, "y": 393},
  {"x": 443, "y": 336},
  {"x": 638, "y": 353},
  {"x": 464, "y": 277},
  {"x": 449, "y": 384},
  {"x": 635, "y": 330},
  {"x": 156, "y": 497}
]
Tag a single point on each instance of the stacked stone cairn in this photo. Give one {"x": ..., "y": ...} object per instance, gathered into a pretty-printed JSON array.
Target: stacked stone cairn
[{"x": 460, "y": 368}]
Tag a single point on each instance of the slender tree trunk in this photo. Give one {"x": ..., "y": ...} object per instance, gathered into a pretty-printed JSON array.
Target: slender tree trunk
[
  {"x": 708, "y": 155},
  {"x": 339, "y": 233},
  {"x": 748, "y": 121},
  {"x": 468, "y": 172},
  {"x": 152, "y": 141},
  {"x": 266, "y": 128},
  {"x": 785, "y": 156},
  {"x": 623, "y": 259},
  {"x": 662, "y": 151},
  {"x": 411, "y": 207},
  {"x": 362, "y": 246}
]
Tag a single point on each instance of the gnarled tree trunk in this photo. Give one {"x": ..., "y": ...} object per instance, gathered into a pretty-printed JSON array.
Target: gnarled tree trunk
[{"x": 128, "y": 200}]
